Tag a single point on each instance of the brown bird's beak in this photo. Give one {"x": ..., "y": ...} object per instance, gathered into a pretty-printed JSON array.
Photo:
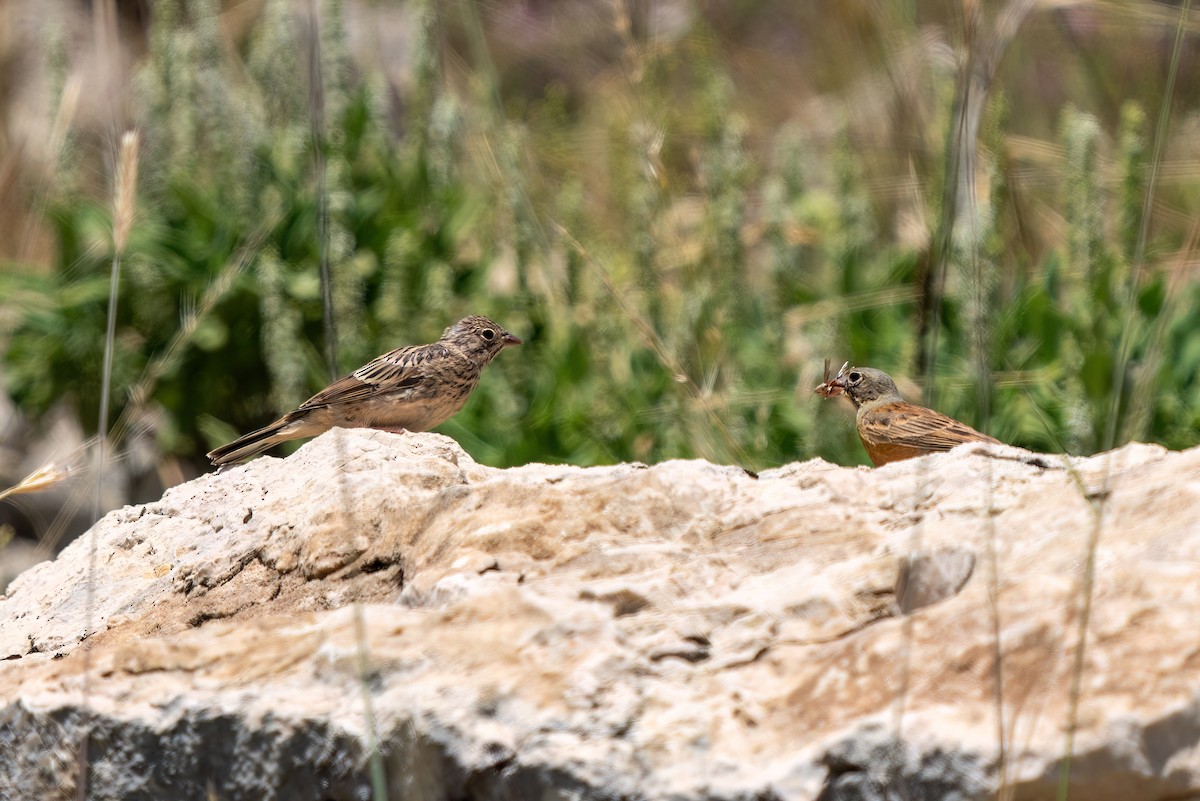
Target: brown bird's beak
[{"x": 509, "y": 340}]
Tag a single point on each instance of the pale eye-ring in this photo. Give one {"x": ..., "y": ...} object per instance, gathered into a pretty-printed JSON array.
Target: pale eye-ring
[
  {"x": 488, "y": 334},
  {"x": 855, "y": 377}
]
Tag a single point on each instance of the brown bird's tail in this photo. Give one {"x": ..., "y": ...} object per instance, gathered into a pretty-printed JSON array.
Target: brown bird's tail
[{"x": 290, "y": 426}]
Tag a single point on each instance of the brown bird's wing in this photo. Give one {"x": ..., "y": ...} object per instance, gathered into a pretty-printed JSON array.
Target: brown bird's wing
[
  {"x": 402, "y": 368},
  {"x": 912, "y": 426}
]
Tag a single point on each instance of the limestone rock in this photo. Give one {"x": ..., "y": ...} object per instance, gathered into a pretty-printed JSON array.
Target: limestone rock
[{"x": 682, "y": 631}]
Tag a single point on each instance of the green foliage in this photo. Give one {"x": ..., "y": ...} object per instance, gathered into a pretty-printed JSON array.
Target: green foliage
[{"x": 678, "y": 295}]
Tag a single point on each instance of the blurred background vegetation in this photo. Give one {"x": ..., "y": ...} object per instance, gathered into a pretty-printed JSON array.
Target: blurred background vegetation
[{"x": 684, "y": 208}]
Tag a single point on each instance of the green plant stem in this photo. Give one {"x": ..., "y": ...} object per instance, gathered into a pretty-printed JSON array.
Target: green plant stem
[
  {"x": 1139, "y": 257},
  {"x": 316, "y": 117},
  {"x": 110, "y": 336},
  {"x": 379, "y": 791}
]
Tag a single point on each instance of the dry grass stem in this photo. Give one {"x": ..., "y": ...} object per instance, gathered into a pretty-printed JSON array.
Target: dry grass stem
[
  {"x": 45, "y": 477},
  {"x": 65, "y": 116},
  {"x": 125, "y": 196}
]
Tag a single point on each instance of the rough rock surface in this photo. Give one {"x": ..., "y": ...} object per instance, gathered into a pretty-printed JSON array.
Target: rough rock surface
[{"x": 682, "y": 631}]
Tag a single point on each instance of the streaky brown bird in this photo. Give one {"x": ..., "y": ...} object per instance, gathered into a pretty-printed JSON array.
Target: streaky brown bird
[
  {"x": 408, "y": 389},
  {"x": 890, "y": 428}
]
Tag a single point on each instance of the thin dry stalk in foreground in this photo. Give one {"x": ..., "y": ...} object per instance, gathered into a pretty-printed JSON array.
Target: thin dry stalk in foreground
[
  {"x": 1100, "y": 498},
  {"x": 45, "y": 477},
  {"x": 124, "y": 195},
  {"x": 125, "y": 192}
]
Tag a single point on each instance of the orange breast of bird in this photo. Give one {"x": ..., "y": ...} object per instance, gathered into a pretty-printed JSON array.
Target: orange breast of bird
[
  {"x": 882, "y": 453},
  {"x": 898, "y": 430}
]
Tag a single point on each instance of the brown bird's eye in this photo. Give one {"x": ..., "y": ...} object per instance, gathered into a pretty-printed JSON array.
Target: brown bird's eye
[
  {"x": 855, "y": 377},
  {"x": 488, "y": 334}
]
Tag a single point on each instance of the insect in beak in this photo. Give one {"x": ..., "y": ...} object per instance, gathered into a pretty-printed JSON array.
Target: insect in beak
[{"x": 831, "y": 389}]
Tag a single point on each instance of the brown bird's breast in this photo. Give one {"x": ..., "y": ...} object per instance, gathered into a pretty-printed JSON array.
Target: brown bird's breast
[
  {"x": 895, "y": 430},
  {"x": 882, "y": 453},
  {"x": 421, "y": 410}
]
